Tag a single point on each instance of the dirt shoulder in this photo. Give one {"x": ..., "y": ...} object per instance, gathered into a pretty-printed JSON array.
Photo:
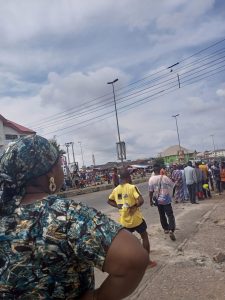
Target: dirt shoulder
[{"x": 187, "y": 269}]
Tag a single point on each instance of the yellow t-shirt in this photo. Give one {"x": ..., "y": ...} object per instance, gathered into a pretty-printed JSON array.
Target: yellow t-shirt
[{"x": 125, "y": 195}]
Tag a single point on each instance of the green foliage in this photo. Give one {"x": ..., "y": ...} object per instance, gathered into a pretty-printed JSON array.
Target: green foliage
[
  {"x": 54, "y": 142},
  {"x": 160, "y": 161}
]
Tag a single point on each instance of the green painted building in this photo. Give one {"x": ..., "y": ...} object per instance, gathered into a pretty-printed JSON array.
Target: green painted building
[{"x": 176, "y": 154}]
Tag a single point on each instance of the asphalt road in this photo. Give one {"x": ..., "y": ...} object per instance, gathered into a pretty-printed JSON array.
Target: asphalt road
[
  {"x": 99, "y": 199},
  {"x": 188, "y": 217}
]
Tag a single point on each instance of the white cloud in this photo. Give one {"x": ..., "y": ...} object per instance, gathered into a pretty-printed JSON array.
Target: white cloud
[
  {"x": 57, "y": 56},
  {"x": 220, "y": 92}
]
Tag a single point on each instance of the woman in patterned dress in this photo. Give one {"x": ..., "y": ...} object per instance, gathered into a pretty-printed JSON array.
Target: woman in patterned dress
[
  {"x": 177, "y": 178},
  {"x": 49, "y": 246}
]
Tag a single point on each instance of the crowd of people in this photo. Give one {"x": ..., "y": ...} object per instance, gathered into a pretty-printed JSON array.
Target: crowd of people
[
  {"x": 50, "y": 245},
  {"x": 195, "y": 181},
  {"x": 86, "y": 178}
]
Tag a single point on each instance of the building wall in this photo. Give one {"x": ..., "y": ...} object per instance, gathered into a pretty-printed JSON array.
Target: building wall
[
  {"x": 2, "y": 135},
  {"x": 174, "y": 158},
  {"x": 7, "y": 135}
]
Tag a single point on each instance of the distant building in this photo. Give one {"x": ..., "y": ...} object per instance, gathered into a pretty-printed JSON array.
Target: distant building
[
  {"x": 175, "y": 153},
  {"x": 217, "y": 153},
  {"x": 10, "y": 131}
]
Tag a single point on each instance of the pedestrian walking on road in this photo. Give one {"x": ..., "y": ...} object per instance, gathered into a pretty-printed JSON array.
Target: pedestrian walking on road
[
  {"x": 128, "y": 199},
  {"x": 160, "y": 194},
  {"x": 49, "y": 246}
]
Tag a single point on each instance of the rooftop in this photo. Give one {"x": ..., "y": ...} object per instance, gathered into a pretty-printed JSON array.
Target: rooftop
[{"x": 21, "y": 129}]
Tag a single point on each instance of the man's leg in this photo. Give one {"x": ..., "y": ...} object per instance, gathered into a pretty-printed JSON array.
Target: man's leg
[
  {"x": 145, "y": 241},
  {"x": 142, "y": 230},
  {"x": 190, "y": 192},
  {"x": 193, "y": 187},
  {"x": 169, "y": 212},
  {"x": 162, "y": 216}
]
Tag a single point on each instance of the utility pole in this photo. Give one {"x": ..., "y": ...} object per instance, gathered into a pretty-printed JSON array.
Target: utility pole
[
  {"x": 72, "y": 143},
  {"x": 214, "y": 148},
  {"x": 82, "y": 155},
  {"x": 67, "y": 150},
  {"x": 121, "y": 144},
  {"x": 178, "y": 136}
]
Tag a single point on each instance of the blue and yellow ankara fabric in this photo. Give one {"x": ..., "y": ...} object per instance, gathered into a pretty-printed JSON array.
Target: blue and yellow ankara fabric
[
  {"x": 28, "y": 158},
  {"x": 48, "y": 249}
]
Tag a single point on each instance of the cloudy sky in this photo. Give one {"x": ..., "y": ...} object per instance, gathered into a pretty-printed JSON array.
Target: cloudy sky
[{"x": 56, "y": 58}]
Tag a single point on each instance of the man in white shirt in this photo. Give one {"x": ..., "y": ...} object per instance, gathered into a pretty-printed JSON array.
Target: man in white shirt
[
  {"x": 191, "y": 180},
  {"x": 160, "y": 187}
]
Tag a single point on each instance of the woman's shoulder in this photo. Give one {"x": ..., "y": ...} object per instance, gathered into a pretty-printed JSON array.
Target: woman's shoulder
[{"x": 68, "y": 206}]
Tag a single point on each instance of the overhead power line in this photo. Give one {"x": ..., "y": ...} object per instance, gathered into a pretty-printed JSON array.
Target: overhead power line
[
  {"x": 152, "y": 88},
  {"x": 142, "y": 91},
  {"x": 70, "y": 111}
]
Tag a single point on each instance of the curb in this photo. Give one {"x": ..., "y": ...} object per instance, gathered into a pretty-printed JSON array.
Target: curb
[{"x": 93, "y": 189}]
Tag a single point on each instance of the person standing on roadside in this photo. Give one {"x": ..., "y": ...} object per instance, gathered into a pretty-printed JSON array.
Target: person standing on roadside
[
  {"x": 216, "y": 176},
  {"x": 128, "y": 199},
  {"x": 191, "y": 180},
  {"x": 205, "y": 170},
  {"x": 222, "y": 176},
  {"x": 160, "y": 187},
  {"x": 210, "y": 177},
  {"x": 200, "y": 181},
  {"x": 177, "y": 178},
  {"x": 115, "y": 177}
]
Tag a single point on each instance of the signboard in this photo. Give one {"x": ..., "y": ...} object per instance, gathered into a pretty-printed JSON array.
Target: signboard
[{"x": 121, "y": 150}]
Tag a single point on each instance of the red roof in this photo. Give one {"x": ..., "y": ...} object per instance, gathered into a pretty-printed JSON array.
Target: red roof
[{"x": 21, "y": 129}]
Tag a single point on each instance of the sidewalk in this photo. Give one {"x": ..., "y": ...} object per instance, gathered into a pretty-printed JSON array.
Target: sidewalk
[
  {"x": 186, "y": 268},
  {"x": 190, "y": 272}
]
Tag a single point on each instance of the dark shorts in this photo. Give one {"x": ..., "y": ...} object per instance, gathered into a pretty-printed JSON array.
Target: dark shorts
[{"x": 140, "y": 228}]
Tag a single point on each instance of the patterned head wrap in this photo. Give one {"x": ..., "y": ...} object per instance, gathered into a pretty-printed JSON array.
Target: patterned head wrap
[{"x": 28, "y": 158}]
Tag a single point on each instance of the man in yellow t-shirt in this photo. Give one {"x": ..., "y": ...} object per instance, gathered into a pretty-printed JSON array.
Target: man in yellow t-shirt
[{"x": 127, "y": 198}]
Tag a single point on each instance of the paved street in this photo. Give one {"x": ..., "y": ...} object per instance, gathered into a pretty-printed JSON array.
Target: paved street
[{"x": 186, "y": 265}]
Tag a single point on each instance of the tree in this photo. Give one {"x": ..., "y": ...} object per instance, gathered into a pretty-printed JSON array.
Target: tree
[
  {"x": 160, "y": 162},
  {"x": 54, "y": 142}
]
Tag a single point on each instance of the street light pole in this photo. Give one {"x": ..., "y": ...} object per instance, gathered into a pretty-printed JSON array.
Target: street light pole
[
  {"x": 175, "y": 116},
  {"x": 67, "y": 150},
  {"x": 81, "y": 150},
  {"x": 117, "y": 122},
  {"x": 72, "y": 143},
  {"x": 212, "y": 135}
]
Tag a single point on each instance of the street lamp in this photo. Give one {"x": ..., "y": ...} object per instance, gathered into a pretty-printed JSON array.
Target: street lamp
[
  {"x": 67, "y": 147},
  {"x": 212, "y": 135},
  {"x": 81, "y": 150},
  {"x": 67, "y": 150},
  {"x": 117, "y": 122},
  {"x": 175, "y": 116}
]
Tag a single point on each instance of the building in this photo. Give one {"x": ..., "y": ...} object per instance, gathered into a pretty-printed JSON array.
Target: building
[
  {"x": 217, "y": 153},
  {"x": 10, "y": 131},
  {"x": 175, "y": 154}
]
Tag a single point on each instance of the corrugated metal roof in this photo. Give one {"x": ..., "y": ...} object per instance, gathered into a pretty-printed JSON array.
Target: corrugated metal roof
[
  {"x": 173, "y": 150},
  {"x": 18, "y": 127}
]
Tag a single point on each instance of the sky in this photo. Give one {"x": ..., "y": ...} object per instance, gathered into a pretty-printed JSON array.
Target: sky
[{"x": 56, "y": 58}]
